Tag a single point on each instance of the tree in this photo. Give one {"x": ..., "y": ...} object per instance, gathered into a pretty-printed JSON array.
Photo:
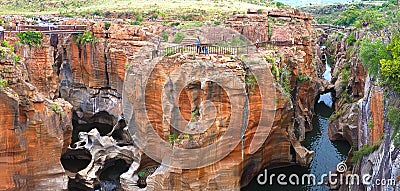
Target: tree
[
  {"x": 371, "y": 53},
  {"x": 390, "y": 68}
]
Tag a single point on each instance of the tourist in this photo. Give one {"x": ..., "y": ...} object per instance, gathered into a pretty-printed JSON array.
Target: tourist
[
  {"x": 205, "y": 50},
  {"x": 257, "y": 45},
  {"x": 198, "y": 45}
]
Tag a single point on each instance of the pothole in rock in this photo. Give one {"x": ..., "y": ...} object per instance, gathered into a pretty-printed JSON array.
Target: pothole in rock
[
  {"x": 109, "y": 175},
  {"x": 147, "y": 167},
  {"x": 102, "y": 121},
  {"x": 75, "y": 160}
]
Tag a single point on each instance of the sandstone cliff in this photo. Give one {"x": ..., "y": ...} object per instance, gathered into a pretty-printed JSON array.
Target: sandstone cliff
[
  {"x": 35, "y": 129},
  {"x": 91, "y": 77}
]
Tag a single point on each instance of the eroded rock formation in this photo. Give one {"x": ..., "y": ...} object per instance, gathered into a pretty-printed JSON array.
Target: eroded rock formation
[
  {"x": 36, "y": 130},
  {"x": 88, "y": 134}
]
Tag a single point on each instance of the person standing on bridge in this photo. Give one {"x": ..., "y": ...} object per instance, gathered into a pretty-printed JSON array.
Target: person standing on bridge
[
  {"x": 257, "y": 45},
  {"x": 198, "y": 47}
]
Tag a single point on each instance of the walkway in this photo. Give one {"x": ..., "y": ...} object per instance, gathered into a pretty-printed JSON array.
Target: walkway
[
  {"x": 219, "y": 50},
  {"x": 50, "y": 29}
]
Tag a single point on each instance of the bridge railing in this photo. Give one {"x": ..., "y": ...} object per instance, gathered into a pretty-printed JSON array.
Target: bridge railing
[
  {"x": 219, "y": 50},
  {"x": 47, "y": 28}
]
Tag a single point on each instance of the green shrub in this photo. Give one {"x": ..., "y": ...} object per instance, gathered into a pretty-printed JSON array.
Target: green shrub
[
  {"x": 3, "y": 83},
  {"x": 169, "y": 52},
  {"x": 284, "y": 80},
  {"x": 364, "y": 151},
  {"x": 86, "y": 37},
  {"x": 371, "y": 124},
  {"x": 270, "y": 59},
  {"x": 107, "y": 25},
  {"x": 345, "y": 71},
  {"x": 302, "y": 78},
  {"x": 390, "y": 68},
  {"x": 351, "y": 39},
  {"x": 336, "y": 115},
  {"x": 195, "y": 115},
  {"x": 16, "y": 58},
  {"x": 56, "y": 108},
  {"x": 5, "y": 44},
  {"x": 30, "y": 38},
  {"x": 371, "y": 53},
  {"x": 164, "y": 36},
  {"x": 172, "y": 138},
  {"x": 135, "y": 23},
  {"x": 179, "y": 36},
  {"x": 251, "y": 82},
  {"x": 142, "y": 174},
  {"x": 275, "y": 71}
]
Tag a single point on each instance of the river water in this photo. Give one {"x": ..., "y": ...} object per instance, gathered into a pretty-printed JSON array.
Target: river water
[{"x": 327, "y": 153}]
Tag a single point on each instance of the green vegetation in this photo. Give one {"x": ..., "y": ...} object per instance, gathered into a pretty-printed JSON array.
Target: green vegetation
[
  {"x": 127, "y": 65},
  {"x": 336, "y": 115},
  {"x": 169, "y": 52},
  {"x": 371, "y": 53},
  {"x": 270, "y": 59},
  {"x": 30, "y": 38},
  {"x": 86, "y": 37},
  {"x": 56, "y": 108},
  {"x": 251, "y": 82},
  {"x": 3, "y": 83},
  {"x": 195, "y": 115},
  {"x": 302, "y": 78},
  {"x": 282, "y": 76},
  {"x": 142, "y": 174},
  {"x": 364, "y": 151},
  {"x": 351, "y": 39},
  {"x": 390, "y": 68},
  {"x": 107, "y": 25},
  {"x": 172, "y": 138},
  {"x": 371, "y": 124},
  {"x": 164, "y": 36},
  {"x": 167, "y": 9},
  {"x": 189, "y": 25},
  {"x": 345, "y": 72},
  {"x": 393, "y": 116},
  {"x": 179, "y": 36},
  {"x": 6, "y": 45}
]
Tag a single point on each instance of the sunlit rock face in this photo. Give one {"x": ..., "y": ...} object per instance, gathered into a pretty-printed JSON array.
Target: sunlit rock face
[
  {"x": 239, "y": 166},
  {"x": 289, "y": 33},
  {"x": 92, "y": 125},
  {"x": 35, "y": 132}
]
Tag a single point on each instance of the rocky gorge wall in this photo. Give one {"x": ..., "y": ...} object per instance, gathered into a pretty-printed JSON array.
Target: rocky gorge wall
[
  {"x": 361, "y": 109},
  {"x": 35, "y": 127},
  {"x": 94, "y": 148}
]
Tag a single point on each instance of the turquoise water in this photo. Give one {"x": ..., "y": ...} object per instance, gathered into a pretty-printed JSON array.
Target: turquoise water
[{"x": 297, "y": 3}]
